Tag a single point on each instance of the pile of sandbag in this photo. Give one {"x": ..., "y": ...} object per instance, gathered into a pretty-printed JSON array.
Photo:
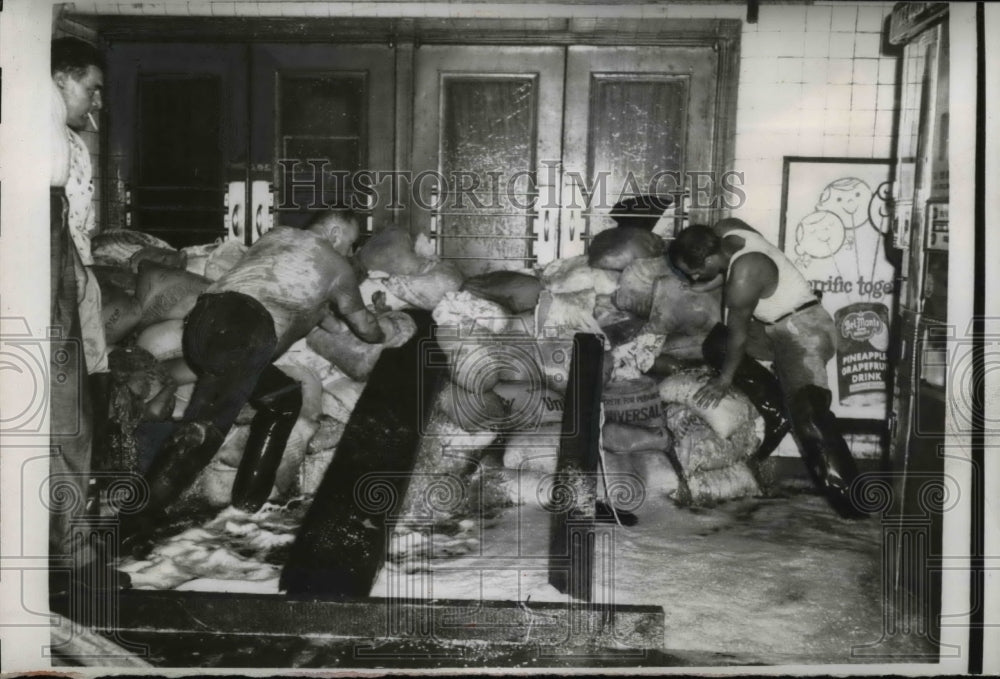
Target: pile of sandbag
[
  {"x": 406, "y": 272},
  {"x": 712, "y": 445}
]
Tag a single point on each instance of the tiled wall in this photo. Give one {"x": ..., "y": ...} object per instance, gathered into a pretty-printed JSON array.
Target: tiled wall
[{"x": 813, "y": 82}]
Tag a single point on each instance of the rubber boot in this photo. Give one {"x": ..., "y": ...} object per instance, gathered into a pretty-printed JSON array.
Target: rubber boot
[
  {"x": 824, "y": 451},
  {"x": 278, "y": 400},
  {"x": 759, "y": 385},
  {"x": 265, "y": 447},
  {"x": 189, "y": 449},
  {"x": 99, "y": 386}
]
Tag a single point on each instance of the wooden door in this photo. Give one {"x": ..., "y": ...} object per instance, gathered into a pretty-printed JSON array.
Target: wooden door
[
  {"x": 487, "y": 126},
  {"x": 639, "y": 117},
  {"x": 322, "y": 115},
  {"x": 178, "y": 124}
]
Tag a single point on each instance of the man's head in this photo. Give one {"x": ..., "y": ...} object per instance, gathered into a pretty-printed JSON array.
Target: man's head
[
  {"x": 78, "y": 73},
  {"x": 340, "y": 227},
  {"x": 697, "y": 253}
]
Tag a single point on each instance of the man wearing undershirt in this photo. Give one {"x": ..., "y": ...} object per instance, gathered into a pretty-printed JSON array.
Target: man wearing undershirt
[{"x": 771, "y": 314}]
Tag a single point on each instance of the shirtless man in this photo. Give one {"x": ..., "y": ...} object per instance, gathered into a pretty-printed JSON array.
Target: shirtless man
[
  {"x": 771, "y": 314},
  {"x": 282, "y": 288}
]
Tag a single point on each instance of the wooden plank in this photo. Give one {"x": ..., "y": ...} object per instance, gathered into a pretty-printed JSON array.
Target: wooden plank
[
  {"x": 341, "y": 545},
  {"x": 573, "y": 501}
]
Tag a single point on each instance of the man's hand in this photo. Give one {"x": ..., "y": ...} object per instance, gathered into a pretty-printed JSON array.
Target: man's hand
[{"x": 713, "y": 392}]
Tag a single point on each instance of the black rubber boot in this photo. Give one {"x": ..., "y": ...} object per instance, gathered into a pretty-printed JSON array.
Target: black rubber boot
[
  {"x": 760, "y": 386},
  {"x": 265, "y": 447},
  {"x": 187, "y": 451},
  {"x": 824, "y": 451}
]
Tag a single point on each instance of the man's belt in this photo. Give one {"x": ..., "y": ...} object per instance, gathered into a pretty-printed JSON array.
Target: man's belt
[{"x": 803, "y": 307}]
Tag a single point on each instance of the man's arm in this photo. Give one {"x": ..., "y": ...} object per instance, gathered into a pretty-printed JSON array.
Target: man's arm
[
  {"x": 346, "y": 298},
  {"x": 747, "y": 279}
]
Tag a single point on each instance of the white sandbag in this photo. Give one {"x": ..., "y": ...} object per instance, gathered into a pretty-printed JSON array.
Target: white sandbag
[
  {"x": 116, "y": 246},
  {"x": 606, "y": 313},
  {"x": 732, "y": 412},
  {"x": 565, "y": 314},
  {"x": 683, "y": 347},
  {"x": 535, "y": 451},
  {"x": 327, "y": 436},
  {"x": 473, "y": 366},
  {"x": 120, "y": 313},
  {"x": 376, "y": 282},
  {"x": 529, "y": 405},
  {"x": 635, "y": 287},
  {"x": 288, "y": 475},
  {"x": 163, "y": 340},
  {"x": 556, "y": 356},
  {"x": 300, "y": 354},
  {"x": 574, "y": 274},
  {"x": 634, "y": 402},
  {"x": 231, "y": 451},
  {"x": 624, "y": 438},
  {"x": 312, "y": 390},
  {"x": 181, "y": 399},
  {"x": 166, "y": 293},
  {"x": 224, "y": 258},
  {"x": 696, "y": 445},
  {"x": 313, "y": 470},
  {"x": 635, "y": 357},
  {"x": 175, "y": 259},
  {"x": 655, "y": 470},
  {"x": 472, "y": 411},
  {"x": 426, "y": 288},
  {"x": 340, "y": 395},
  {"x": 355, "y": 357},
  {"x": 470, "y": 317},
  {"x": 716, "y": 485},
  {"x": 197, "y": 256}
]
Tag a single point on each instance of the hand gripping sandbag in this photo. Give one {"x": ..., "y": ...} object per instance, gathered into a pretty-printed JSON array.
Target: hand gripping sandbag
[
  {"x": 355, "y": 357},
  {"x": 725, "y": 418},
  {"x": 425, "y": 289}
]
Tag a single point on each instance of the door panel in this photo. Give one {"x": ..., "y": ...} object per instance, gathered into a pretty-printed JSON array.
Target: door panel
[
  {"x": 632, "y": 115},
  {"x": 486, "y": 119},
  {"x": 178, "y": 122},
  {"x": 333, "y": 105}
]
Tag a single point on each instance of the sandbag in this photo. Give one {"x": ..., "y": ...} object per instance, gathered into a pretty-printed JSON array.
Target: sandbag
[
  {"x": 635, "y": 287},
  {"x": 697, "y": 446},
  {"x": 377, "y": 282},
  {"x": 716, "y": 485},
  {"x": 223, "y": 258},
  {"x": 327, "y": 436},
  {"x": 116, "y": 247},
  {"x": 390, "y": 250},
  {"x": 633, "y": 402},
  {"x": 163, "y": 340},
  {"x": 617, "y": 248},
  {"x": 574, "y": 274},
  {"x": 120, "y": 313},
  {"x": 355, "y": 357},
  {"x": 119, "y": 277},
  {"x": 676, "y": 309},
  {"x": 606, "y": 313},
  {"x": 515, "y": 291},
  {"x": 624, "y": 438},
  {"x": 631, "y": 359},
  {"x": 165, "y": 256},
  {"x": 535, "y": 451},
  {"x": 683, "y": 347},
  {"x": 179, "y": 371},
  {"x": 469, "y": 317},
  {"x": 166, "y": 293},
  {"x": 472, "y": 411},
  {"x": 340, "y": 395},
  {"x": 529, "y": 405},
  {"x": 196, "y": 256},
  {"x": 565, "y": 314},
  {"x": 732, "y": 412},
  {"x": 425, "y": 289}
]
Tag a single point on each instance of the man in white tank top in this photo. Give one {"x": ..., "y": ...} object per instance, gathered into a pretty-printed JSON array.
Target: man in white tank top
[{"x": 771, "y": 314}]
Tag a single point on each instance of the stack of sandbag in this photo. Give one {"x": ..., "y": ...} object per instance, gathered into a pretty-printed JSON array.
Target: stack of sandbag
[
  {"x": 214, "y": 259},
  {"x": 712, "y": 445},
  {"x": 684, "y": 316},
  {"x": 115, "y": 248},
  {"x": 406, "y": 278}
]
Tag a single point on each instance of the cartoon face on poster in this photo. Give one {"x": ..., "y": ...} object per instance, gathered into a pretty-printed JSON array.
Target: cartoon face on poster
[{"x": 834, "y": 226}]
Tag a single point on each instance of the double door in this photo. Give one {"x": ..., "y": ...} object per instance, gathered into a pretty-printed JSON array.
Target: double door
[
  {"x": 223, "y": 141},
  {"x": 515, "y": 153},
  {"x": 529, "y": 147}
]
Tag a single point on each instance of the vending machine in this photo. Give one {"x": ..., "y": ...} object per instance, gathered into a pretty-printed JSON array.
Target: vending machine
[{"x": 920, "y": 237}]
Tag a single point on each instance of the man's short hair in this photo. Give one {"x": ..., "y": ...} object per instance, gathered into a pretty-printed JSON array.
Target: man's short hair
[
  {"x": 321, "y": 217},
  {"x": 693, "y": 245},
  {"x": 73, "y": 56}
]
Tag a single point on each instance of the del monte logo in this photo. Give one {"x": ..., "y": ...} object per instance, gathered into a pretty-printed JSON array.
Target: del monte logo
[{"x": 861, "y": 325}]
